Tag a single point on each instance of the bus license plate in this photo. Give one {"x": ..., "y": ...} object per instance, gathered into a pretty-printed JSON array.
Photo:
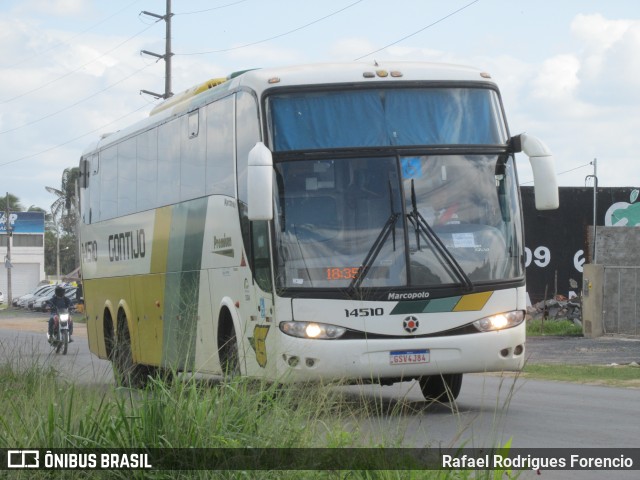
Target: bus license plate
[{"x": 408, "y": 357}]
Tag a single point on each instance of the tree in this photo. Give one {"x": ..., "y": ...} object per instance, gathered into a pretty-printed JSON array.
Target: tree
[
  {"x": 68, "y": 260},
  {"x": 64, "y": 209},
  {"x": 14, "y": 203},
  {"x": 64, "y": 213}
]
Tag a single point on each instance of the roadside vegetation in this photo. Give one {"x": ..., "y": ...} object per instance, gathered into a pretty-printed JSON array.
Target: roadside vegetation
[
  {"x": 41, "y": 410},
  {"x": 614, "y": 375},
  {"x": 538, "y": 328}
]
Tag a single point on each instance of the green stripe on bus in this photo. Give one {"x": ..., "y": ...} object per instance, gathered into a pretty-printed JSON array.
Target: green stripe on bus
[
  {"x": 441, "y": 305},
  {"x": 415, "y": 306},
  {"x": 183, "y": 283},
  {"x": 464, "y": 303}
]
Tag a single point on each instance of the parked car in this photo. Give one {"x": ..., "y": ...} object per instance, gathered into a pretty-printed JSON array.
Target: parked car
[
  {"x": 24, "y": 301},
  {"x": 1, "y": 298}
]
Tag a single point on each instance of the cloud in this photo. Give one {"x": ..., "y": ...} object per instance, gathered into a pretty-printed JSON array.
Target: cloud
[
  {"x": 264, "y": 55},
  {"x": 609, "y": 60},
  {"x": 557, "y": 80},
  {"x": 58, "y": 8}
]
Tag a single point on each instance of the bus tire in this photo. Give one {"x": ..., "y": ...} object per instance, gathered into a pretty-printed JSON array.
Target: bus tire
[
  {"x": 228, "y": 347},
  {"x": 443, "y": 388},
  {"x": 126, "y": 372}
]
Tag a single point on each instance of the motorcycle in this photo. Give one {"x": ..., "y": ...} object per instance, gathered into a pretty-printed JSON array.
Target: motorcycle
[{"x": 60, "y": 338}]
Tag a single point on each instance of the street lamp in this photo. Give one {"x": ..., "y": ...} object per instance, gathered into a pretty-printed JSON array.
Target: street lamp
[{"x": 595, "y": 204}]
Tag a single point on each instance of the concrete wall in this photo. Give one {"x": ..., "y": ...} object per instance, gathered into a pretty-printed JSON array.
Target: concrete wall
[
  {"x": 28, "y": 270},
  {"x": 618, "y": 246},
  {"x": 611, "y": 288}
]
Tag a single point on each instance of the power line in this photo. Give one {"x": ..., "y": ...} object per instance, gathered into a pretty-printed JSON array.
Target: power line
[
  {"x": 573, "y": 169},
  {"x": 68, "y": 107},
  {"x": 66, "y": 42},
  {"x": 275, "y": 36},
  {"x": 211, "y": 9},
  {"x": 46, "y": 84},
  {"x": 73, "y": 139},
  {"x": 566, "y": 171},
  {"x": 418, "y": 31}
]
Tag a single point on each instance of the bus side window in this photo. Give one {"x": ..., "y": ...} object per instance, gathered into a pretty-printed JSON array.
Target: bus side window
[
  {"x": 147, "y": 170},
  {"x": 109, "y": 183},
  {"x": 220, "y": 179},
  {"x": 247, "y": 135},
  {"x": 261, "y": 258},
  {"x": 94, "y": 190}
]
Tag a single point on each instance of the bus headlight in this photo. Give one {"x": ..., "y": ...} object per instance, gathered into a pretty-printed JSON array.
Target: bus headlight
[
  {"x": 312, "y": 330},
  {"x": 500, "y": 321}
]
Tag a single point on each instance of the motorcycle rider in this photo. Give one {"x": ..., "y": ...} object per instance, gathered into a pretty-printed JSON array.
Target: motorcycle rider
[{"x": 59, "y": 300}]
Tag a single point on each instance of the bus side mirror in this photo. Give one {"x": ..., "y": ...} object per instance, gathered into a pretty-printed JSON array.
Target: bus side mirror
[
  {"x": 260, "y": 183},
  {"x": 543, "y": 165}
]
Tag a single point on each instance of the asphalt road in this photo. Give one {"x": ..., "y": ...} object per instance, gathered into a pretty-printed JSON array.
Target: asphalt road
[{"x": 23, "y": 342}]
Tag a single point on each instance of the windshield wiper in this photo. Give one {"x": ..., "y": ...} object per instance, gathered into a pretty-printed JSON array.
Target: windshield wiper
[
  {"x": 421, "y": 225},
  {"x": 375, "y": 249}
]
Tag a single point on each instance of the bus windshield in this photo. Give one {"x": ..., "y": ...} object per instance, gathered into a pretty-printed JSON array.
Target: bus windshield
[
  {"x": 385, "y": 117},
  {"x": 397, "y": 221}
]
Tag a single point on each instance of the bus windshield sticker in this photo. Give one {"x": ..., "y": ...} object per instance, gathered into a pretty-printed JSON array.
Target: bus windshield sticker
[
  {"x": 411, "y": 167},
  {"x": 463, "y": 240}
]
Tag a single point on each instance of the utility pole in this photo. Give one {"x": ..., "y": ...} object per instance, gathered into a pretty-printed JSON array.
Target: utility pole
[
  {"x": 595, "y": 204},
  {"x": 167, "y": 54},
  {"x": 7, "y": 261}
]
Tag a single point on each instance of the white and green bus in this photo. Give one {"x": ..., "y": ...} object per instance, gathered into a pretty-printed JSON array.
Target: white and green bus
[{"x": 322, "y": 222}]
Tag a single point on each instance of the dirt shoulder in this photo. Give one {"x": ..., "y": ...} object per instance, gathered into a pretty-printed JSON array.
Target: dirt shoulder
[{"x": 33, "y": 322}]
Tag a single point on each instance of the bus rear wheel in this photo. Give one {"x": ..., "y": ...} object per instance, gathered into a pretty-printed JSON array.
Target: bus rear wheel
[
  {"x": 127, "y": 373},
  {"x": 442, "y": 388}
]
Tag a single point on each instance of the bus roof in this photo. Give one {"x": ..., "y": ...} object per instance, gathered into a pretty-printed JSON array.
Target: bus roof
[
  {"x": 328, "y": 73},
  {"x": 263, "y": 79}
]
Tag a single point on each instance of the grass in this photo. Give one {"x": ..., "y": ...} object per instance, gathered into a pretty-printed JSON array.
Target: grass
[
  {"x": 538, "y": 328},
  {"x": 40, "y": 410},
  {"x": 619, "y": 376}
]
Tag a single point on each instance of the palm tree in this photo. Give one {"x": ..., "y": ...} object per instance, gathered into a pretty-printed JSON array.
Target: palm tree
[
  {"x": 64, "y": 208},
  {"x": 14, "y": 203}
]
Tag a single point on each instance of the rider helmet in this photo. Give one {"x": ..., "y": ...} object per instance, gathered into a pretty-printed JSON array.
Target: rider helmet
[{"x": 59, "y": 291}]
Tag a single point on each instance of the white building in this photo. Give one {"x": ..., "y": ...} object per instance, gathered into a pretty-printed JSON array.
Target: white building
[{"x": 27, "y": 252}]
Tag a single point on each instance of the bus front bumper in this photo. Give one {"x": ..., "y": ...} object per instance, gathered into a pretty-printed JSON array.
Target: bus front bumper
[{"x": 393, "y": 359}]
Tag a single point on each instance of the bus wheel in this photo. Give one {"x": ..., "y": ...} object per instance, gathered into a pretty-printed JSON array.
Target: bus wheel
[
  {"x": 127, "y": 373},
  {"x": 228, "y": 351},
  {"x": 443, "y": 388}
]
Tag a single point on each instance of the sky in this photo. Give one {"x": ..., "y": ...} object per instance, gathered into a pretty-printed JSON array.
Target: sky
[{"x": 71, "y": 70}]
